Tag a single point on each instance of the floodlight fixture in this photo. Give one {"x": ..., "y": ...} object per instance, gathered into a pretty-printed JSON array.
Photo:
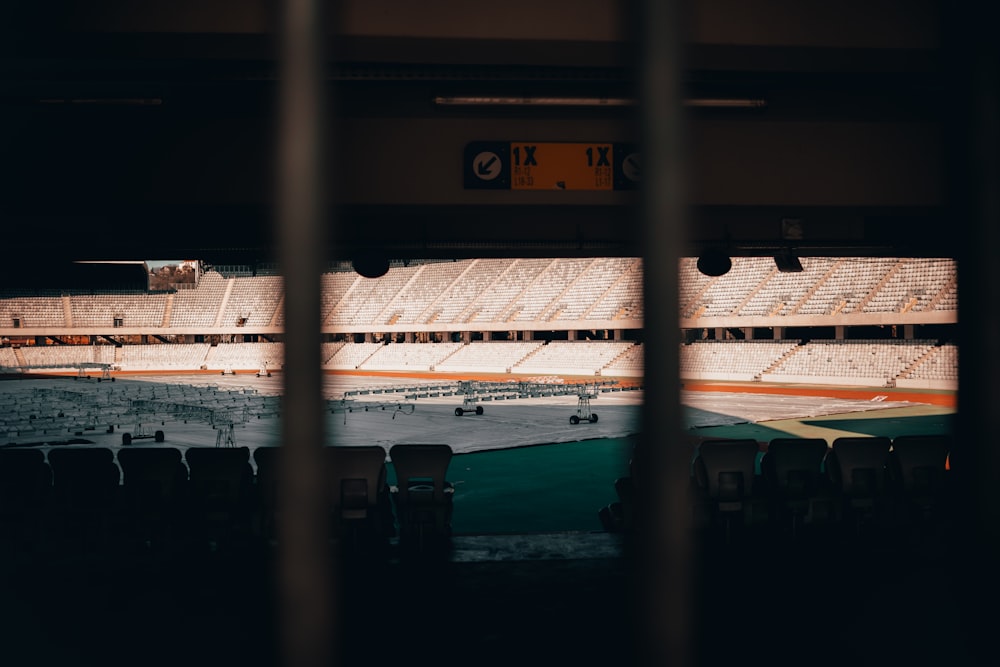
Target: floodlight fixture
[
  {"x": 587, "y": 102},
  {"x": 787, "y": 263}
]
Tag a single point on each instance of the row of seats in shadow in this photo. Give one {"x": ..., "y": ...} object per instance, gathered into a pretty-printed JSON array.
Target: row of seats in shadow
[
  {"x": 812, "y": 552},
  {"x": 158, "y": 556},
  {"x": 805, "y": 489},
  {"x": 91, "y": 501}
]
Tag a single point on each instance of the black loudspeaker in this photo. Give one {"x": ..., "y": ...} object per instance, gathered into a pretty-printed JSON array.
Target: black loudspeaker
[
  {"x": 714, "y": 263},
  {"x": 371, "y": 265}
]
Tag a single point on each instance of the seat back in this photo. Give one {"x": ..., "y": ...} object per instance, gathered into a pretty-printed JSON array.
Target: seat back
[
  {"x": 356, "y": 479},
  {"x": 421, "y": 469},
  {"x": 219, "y": 475},
  {"x": 84, "y": 478},
  {"x": 726, "y": 470},
  {"x": 154, "y": 486},
  {"x": 423, "y": 496},
  {"x": 220, "y": 491},
  {"x": 859, "y": 467},
  {"x": 917, "y": 462},
  {"x": 25, "y": 480},
  {"x": 266, "y": 460},
  {"x": 152, "y": 476},
  {"x": 265, "y": 490},
  {"x": 793, "y": 467}
]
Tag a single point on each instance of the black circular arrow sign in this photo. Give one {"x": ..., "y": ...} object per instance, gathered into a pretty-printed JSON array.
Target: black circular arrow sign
[{"x": 487, "y": 165}]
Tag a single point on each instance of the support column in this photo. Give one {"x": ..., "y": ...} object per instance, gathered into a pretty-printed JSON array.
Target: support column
[
  {"x": 663, "y": 590},
  {"x": 838, "y": 332},
  {"x": 972, "y": 141},
  {"x": 306, "y": 579}
]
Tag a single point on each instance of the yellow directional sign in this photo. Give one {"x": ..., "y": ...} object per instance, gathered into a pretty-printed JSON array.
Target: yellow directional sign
[
  {"x": 561, "y": 166},
  {"x": 540, "y": 165}
]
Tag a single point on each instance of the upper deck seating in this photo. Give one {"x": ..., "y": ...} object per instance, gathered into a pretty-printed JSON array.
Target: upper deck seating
[
  {"x": 604, "y": 289},
  {"x": 201, "y": 306},
  {"x": 557, "y": 282},
  {"x": 847, "y": 287},
  {"x": 27, "y": 312},
  {"x": 780, "y": 292},
  {"x": 143, "y": 310},
  {"x": 418, "y": 301},
  {"x": 459, "y": 301},
  {"x": 368, "y": 297},
  {"x": 916, "y": 285},
  {"x": 253, "y": 301},
  {"x": 495, "y": 303},
  {"x": 724, "y": 296}
]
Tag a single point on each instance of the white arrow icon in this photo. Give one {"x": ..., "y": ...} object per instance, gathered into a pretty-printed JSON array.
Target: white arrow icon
[
  {"x": 630, "y": 167},
  {"x": 487, "y": 165}
]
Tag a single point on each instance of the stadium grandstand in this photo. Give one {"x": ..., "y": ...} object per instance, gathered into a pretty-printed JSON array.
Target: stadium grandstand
[
  {"x": 578, "y": 332},
  {"x": 841, "y": 321}
]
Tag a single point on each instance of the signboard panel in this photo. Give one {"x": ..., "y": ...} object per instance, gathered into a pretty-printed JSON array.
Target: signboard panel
[
  {"x": 533, "y": 165},
  {"x": 560, "y": 166}
]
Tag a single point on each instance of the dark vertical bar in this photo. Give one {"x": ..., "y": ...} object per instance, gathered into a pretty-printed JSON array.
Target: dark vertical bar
[
  {"x": 305, "y": 571},
  {"x": 972, "y": 137},
  {"x": 665, "y": 551}
]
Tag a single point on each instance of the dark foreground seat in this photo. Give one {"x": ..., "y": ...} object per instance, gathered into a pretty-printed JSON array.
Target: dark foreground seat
[
  {"x": 628, "y": 513},
  {"x": 154, "y": 482},
  {"x": 423, "y": 495},
  {"x": 359, "y": 500},
  {"x": 919, "y": 476},
  {"x": 858, "y": 470},
  {"x": 85, "y": 489},
  {"x": 25, "y": 493},
  {"x": 220, "y": 499},
  {"x": 796, "y": 482},
  {"x": 726, "y": 475},
  {"x": 265, "y": 495}
]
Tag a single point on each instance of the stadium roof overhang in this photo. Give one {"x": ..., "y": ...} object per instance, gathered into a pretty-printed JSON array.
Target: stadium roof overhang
[{"x": 136, "y": 137}]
